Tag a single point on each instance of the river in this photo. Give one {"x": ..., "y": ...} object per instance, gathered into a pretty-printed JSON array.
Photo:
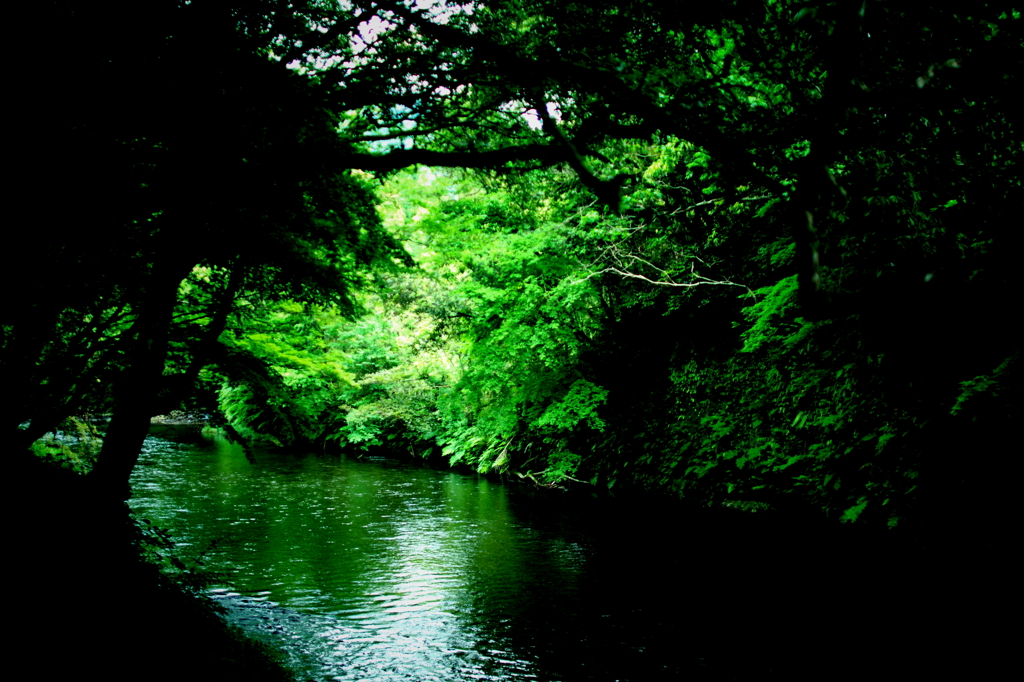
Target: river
[{"x": 389, "y": 569}]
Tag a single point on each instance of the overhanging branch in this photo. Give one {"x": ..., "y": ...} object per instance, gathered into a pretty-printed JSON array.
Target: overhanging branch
[
  {"x": 403, "y": 158},
  {"x": 695, "y": 281},
  {"x": 678, "y": 120}
]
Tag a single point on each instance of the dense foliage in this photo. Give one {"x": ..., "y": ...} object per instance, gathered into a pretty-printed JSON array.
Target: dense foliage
[{"x": 754, "y": 252}]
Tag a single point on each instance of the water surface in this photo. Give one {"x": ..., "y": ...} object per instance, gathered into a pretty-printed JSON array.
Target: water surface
[{"x": 392, "y": 570}]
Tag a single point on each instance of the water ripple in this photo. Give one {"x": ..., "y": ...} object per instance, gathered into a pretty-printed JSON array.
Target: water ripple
[{"x": 385, "y": 571}]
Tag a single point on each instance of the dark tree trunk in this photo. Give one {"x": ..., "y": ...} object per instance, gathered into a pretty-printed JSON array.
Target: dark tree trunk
[{"x": 138, "y": 384}]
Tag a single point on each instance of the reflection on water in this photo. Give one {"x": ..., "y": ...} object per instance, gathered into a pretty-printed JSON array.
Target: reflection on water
[{"x": 388, "y": 570}]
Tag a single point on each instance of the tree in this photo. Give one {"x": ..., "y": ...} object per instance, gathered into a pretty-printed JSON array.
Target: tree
[
  {"x": 223, "y": 137},
  {"x": 201, "y": 187}
]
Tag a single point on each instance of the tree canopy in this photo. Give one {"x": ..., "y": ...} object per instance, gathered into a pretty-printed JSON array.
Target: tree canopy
[{"x": 770, "y": 242}]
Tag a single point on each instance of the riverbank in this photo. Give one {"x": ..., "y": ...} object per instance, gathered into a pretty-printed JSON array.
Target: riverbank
[{"x": 83, "y": 603}]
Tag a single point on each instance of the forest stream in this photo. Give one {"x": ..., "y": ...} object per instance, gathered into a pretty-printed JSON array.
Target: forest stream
[{"x": 387, "y": 569}]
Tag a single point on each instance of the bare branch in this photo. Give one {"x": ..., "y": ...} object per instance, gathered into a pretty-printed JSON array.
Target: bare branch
[
  {"x": 683, "y": 209},
  {"x": 697, "y": 280},
  {"x": 496, "y": 158},
  {"x": 411, "y": 132}
]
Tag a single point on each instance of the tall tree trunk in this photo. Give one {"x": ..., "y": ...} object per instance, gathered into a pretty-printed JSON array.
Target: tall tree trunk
[{"x": 138, "y": 384}]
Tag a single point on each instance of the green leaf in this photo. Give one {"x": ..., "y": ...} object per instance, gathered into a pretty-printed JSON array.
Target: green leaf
[{"x": 854, "y": 512}]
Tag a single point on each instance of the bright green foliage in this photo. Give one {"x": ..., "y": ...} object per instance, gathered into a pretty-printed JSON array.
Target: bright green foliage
[
  {"x": 665, "y": 347},
  {"x": 74, "y": 446},
  {"x": 744, "y": 252},
  {"x": 530, "y": 324},
  {"x": 578, "y": 406},
  {"x": 986, "y": 387},
  {"x": 506, "y": 299},
  {"x": 306, "y": 367},
  {"x": 479, "y": 353},
  {"x": 283, "y": 378}
]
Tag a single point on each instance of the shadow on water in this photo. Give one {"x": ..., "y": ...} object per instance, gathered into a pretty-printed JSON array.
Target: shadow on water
[{"x": 390, "y": 569}]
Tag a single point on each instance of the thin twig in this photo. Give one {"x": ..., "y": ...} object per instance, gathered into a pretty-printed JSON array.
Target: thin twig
[{"x": 682, "y": 285}]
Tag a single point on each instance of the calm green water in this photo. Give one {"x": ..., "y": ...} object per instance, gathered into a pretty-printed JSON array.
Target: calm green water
[
  {"x": 390, "y": 570},
  {"x": 393, "y": 570}
]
